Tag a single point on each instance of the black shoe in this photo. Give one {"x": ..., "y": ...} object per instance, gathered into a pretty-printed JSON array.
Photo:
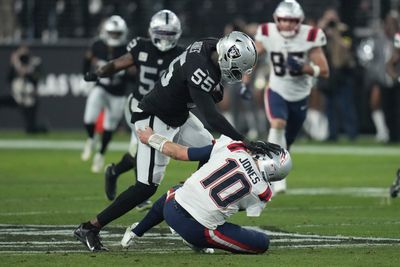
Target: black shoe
[
  {"x": 110, "y": 181},
  {"x": 90, "y": 238},
  {"x": 395, "y": 188}
]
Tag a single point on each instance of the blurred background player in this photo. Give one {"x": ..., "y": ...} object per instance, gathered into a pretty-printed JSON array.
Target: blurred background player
[
  {"x": 232, "y": 180},
  {"x": 192, "y": 80},
  {"x": 109, "y": 93},
  {"x": 151, "y": 58},
  {"x": 297, "y": 58},
  {"x": 23, "y": 78}
]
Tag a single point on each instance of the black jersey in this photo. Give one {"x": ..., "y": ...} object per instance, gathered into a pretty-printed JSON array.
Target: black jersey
[
  {"x": 116, "y": 84},
  {"x": 171, "y": 99},
  {"x": 150, "y": 63}
]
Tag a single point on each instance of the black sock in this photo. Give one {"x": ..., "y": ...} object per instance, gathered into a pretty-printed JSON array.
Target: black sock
[
  {"x": 126, "y": 201},
  {"x": 106, "y": 138},
  {"x": 125, "y": 164},
  {"x": 89, "y": 226},
  {"x": 90, "y": 130}
]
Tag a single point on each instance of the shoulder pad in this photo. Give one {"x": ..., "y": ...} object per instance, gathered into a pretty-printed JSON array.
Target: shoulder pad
[
  {"x": 264, "y": 29},
  {"x": 312, "y": 34}
]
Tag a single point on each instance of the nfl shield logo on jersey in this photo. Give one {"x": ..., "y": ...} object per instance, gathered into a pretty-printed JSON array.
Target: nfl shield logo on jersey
[{"x": 233, "y": 52}]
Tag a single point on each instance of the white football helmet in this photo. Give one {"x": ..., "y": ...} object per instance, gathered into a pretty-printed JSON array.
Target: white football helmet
[
  {"x": 237, "y": 56},
  {"x": 114, "y": 31},
  {"x": 274, "y": 169},
  {"x": 289, "y": 9},
  {"x": 165, "y": 30}
]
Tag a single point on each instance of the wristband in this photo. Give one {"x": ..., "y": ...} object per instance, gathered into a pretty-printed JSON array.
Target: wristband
[
  {"x": 157, "y": 141},
  {"x": 316, "y": 69}
]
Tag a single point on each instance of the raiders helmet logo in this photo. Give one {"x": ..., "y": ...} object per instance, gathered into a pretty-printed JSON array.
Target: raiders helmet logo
[{"x": 233, "y": 52}]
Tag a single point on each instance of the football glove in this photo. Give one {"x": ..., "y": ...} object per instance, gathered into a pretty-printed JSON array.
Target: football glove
[
  {"x": 295, "y": 64},
  {"x": 90, "y": 77},
  {"x": 245, "y": 93},
  {"x": 218, "y": 93},
  {"x": 261, "y": 147}
]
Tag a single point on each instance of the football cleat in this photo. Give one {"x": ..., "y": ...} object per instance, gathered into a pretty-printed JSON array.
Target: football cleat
[
  {"x": 197, "y": 249},
  {"x": 127, "y": 239},
  {"x": 110, "y": 181},
  {"x": 145, "y": 205},
  {"x": 88, "y": 149},
  {"x": 395, "y": 188},
  {"x": 90, "y": 238},
  {"x": 98, "y": 163}
]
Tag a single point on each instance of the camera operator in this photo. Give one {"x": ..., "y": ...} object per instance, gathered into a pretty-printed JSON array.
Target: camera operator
[{"x": 23, "y": 78}]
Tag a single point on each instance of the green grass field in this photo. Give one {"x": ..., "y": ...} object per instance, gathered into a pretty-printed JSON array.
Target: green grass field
[{"x": 337, "y": 211}]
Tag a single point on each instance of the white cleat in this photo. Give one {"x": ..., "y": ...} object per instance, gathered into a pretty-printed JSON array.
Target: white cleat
[
  {"x": 98, "y": 163},
  {"x": 88, "y": 149},
  {"x": 197, "y": 249},
  {"x": 127, "y": 240},
  {"x": 279, "y": 186}
]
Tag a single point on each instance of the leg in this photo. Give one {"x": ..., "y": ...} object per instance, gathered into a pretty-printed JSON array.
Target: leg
[
  {"x": 228, "y": 236},
  {"x": 128, "y": 160},
  {"x": 277, "y": 114},
  {"x": 113, "y": 114},
  {"x": 94, "y": 104}
]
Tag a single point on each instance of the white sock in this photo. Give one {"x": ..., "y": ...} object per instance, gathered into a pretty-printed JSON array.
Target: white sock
[
  {"x": 277, "y": 136},
  {"x": 380, "y": 124}
]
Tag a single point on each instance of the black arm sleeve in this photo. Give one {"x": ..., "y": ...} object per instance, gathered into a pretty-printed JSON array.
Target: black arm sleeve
[
  {"x": 216, "y": 120},
  {"x": 200, "y": 153}
]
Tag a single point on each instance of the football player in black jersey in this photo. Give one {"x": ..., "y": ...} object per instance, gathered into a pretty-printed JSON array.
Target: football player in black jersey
[
  {"x": 151, "y": 58},
  {"x": 108, "y": 93},
  {"x": 192, "y": 79}
]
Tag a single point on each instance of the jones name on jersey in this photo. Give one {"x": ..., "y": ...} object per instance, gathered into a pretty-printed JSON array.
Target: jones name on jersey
[
  {"x": 293, "y": 86},
  {"x": 230, "y": 181}
]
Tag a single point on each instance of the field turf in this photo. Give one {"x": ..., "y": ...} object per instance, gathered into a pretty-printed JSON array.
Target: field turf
[{"x": 337, "y": 211}]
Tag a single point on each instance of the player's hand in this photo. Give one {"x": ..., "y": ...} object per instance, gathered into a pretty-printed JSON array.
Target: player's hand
[
  {"x": 261, "y": 147},
  {"x": 245, "y": 93},
  {"x": 294, "y": 63},
  {"x": 90, "y": 77},
  {"x": 144, "y": 134}
]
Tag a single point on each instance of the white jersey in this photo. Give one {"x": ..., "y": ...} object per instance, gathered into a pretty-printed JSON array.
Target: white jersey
[
  {"x": 230, "y": 181},
  {"x": 291, "y": 86}
]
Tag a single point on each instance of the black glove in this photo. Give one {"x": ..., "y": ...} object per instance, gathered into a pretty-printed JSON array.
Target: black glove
[
  {"x": 90, "y": 77},
  {"x": 218, "y": 93},
  {"x": 261, "y": 147},
  {"x": 295, "y": 64},
  {"x": 245, "y": 93}
]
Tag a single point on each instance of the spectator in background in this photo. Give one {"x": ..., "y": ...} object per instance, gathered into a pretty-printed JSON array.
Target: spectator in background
[
  {"x": 378, "y": 80},
  {"x": 338, "y": 89},
  {"x": 23, "y": 79}
]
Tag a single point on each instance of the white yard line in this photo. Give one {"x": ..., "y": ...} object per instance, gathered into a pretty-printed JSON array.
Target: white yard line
[{"x": 123, "y": 146}]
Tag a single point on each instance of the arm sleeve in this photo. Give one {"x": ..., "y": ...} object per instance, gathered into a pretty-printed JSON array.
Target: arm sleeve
[
  {"x": 216, "y": 120},
  {"x": 200, "y": 153}
]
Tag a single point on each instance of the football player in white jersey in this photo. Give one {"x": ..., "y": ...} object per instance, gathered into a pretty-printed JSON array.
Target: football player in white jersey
[
  {"x": 232, "y": 180},
  {"x": 296, "y": 59}
]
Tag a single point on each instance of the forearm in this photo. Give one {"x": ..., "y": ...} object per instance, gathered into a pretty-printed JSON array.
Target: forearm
[
  {"x": 313, "y": 70},
  {"x": 221, "y": 125},
  {"x": 175, "y": 151},
  {"x": 106, "y": 70}
]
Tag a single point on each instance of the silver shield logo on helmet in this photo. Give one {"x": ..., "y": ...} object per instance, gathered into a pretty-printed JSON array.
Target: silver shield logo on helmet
[{"x": 233, "y": 52}]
